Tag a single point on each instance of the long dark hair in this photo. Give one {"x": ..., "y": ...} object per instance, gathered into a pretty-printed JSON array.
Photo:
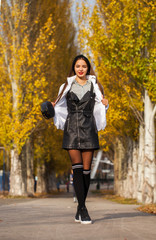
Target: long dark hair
[
  {"x": 72, "y": 70},
  {"x": 90, "y": 71}
]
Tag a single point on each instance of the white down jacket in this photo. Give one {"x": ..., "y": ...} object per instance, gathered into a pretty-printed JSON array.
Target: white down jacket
[{"x": 61, "y": 111}]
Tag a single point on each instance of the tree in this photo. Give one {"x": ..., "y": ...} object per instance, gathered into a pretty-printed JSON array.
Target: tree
[
  {"x": 121, "y": 37},
  {"x": 47, "y": 140},
  {"x": 23, "y": 83},
  {"x": 36, "y": 50}
]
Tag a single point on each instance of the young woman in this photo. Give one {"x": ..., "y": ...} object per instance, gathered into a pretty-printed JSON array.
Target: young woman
[{"x": 80, "y": 110}]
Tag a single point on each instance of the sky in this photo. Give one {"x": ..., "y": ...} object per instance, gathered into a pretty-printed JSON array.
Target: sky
[
  {"x": 73, "y": 9},
  {"x": 91, "y": 3}
]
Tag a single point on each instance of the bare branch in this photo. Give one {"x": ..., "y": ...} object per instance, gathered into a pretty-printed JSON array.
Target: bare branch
[
  {"x": 154, "y": 111},
  {"x": 135, "y": 110}
]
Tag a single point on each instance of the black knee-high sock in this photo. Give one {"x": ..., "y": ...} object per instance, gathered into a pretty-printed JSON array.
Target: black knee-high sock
[
  {"x": 86, "y": 179},
  {"x": 78, "y": 183}
]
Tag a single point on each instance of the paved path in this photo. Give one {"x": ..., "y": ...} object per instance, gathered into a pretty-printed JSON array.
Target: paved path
[{"x": 53, "y": 219}]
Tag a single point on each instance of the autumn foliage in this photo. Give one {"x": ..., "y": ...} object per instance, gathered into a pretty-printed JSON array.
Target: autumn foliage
[
  {"x": 121, "y": 37},
  {"x": 36, "y": 50}
]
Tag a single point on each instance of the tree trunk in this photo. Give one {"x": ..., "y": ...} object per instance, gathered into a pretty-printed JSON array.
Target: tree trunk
[
  {"x": 7, "y": 170},
  {"x": 50, "y": 177},
  {"x": 30, "y": 167},
  {"x": 21, "y": 173},
  {"x": 41, "y": 179},
  {"x": 118, "y": 166},
  {"x": 51, "y": 182},
  {"x": 16, "y": 181},
  {"x": 126, "y": 157},
  {"x": 140, "y": 179},
  {"x": 149, "y": 186},
  {"x": 24, "y": 170},
  {"x": 140, "y": 171}
]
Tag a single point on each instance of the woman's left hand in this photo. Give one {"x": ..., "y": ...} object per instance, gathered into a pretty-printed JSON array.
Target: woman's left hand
[{"x": 104, "y": 101}]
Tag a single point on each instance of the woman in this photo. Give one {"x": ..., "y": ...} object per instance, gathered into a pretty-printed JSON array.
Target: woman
[{"x": 80, "y": 110}]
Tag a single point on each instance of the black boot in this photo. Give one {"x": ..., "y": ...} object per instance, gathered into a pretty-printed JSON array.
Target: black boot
[
  {"x": 84, "y": 216},
  {"x": 77, "y": 216}
]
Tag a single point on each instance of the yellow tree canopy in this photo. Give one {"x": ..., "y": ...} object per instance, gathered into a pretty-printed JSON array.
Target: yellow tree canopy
[
  {"x": 121, "y": 38},
  {"x": 48, "y": 140},
  {"x": 23, "y": 78}
]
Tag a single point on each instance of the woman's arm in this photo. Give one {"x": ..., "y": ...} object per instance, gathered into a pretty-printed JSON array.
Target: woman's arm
[
  {"x": 104, "y": 101},
  {"x": 60, "y": 89},
  {"x": 53, "y": 103}
]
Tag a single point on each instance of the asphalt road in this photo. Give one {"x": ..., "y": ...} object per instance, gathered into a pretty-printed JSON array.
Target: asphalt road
[{"x": 53, "y": 218}]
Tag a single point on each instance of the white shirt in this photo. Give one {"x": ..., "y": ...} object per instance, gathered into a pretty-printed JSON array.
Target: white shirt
[
  {"x": 79, "y": 89},
  {"x": 99, "y": 108}
]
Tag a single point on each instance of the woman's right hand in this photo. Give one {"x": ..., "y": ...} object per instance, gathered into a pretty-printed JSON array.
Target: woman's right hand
[{"x": 53, "y": 104}]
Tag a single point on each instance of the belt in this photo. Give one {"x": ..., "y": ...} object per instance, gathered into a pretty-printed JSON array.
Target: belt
[{"x": 80, "y": 111}]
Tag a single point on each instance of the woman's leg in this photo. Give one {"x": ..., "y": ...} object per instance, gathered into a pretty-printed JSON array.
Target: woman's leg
[
  {"x": 81, "y": 183},
  {"x": 87, "y": 156},
  {"x": 78, "y": 182}
]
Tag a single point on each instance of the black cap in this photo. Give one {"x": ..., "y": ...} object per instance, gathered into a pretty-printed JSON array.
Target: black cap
[{"x": 47, "y": 110}]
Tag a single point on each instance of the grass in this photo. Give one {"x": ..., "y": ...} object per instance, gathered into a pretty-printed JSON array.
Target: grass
[
  {"x": 5, "y": 195},
  {"x": 148, "y": 208},
  {"x": 110, "y": 195}
]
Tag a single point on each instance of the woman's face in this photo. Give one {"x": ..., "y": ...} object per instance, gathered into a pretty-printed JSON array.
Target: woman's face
[{"x": 81, "y": 68}]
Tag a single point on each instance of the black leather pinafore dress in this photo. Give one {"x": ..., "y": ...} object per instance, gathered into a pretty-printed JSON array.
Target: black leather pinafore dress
[{"x": 80, "y": 131}]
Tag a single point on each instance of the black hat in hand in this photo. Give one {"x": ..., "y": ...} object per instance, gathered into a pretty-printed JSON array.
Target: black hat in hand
[{"x": 47, "y": 110}]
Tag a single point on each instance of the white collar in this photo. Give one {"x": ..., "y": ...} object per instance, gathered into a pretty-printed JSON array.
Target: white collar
[{"x": 92, "y": 78}]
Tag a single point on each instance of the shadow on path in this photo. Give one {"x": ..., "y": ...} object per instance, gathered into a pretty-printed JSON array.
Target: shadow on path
[{"x": 123, "y": 215}]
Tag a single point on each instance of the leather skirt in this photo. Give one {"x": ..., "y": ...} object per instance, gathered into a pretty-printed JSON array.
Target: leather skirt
[{"x": 80, "y": 131}]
